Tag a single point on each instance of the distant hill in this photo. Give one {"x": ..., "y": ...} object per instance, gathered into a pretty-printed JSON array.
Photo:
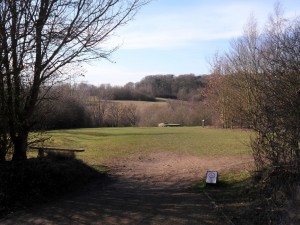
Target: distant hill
[{"x": 150, "y": 88}]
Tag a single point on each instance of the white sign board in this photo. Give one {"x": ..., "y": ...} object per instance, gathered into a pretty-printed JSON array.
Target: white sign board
[{"x": 211, "y": 177}]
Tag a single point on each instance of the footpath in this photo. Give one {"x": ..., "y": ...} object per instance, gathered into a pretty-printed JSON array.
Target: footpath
[{"x": 153, "y": 189}]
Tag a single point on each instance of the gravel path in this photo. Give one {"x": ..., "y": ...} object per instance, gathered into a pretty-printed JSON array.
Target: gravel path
[{"x": 149, "y": 189}]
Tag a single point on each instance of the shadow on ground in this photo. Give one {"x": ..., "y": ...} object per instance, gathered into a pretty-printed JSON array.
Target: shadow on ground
[
  {"x": 138, "y": 194},
  {"x": 123, "y": 202}
]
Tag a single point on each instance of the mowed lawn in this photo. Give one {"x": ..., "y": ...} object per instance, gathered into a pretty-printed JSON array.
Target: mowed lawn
[{"x": 102, "y": 144}]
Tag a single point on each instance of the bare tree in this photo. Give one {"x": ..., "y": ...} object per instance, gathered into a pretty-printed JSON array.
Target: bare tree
[
  {"x": 265, "y": 71},
  {"x": 114, "y": 114},
  {"x": 39, "y": 40},
  {"x": 4, "y": 139},
  {"x": 130, "y": 115},
  {"x": 221, "y": 95},
  {"x": 279, "y": 130},
  {"x": 98, "y": 109}
]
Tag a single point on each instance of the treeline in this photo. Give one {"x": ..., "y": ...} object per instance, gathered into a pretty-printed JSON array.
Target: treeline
[
  {"x": 188, "y": 99},
  {"x": 82, "y": 105},
  {"x": 183, "y": 87},
  {"x": 85, "y": 105}
]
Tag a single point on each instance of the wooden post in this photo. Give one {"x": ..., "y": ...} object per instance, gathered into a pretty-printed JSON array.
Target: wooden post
[{"x": 41, "y": 153}]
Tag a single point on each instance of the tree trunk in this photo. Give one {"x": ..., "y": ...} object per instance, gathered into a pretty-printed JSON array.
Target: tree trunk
[
  {"x": 20, "y": 147},
  {"x": 3, "y": 146}
]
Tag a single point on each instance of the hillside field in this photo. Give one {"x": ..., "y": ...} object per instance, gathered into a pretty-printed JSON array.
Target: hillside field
[
  {"x": 142, "y": 105},
  {"x": 102, "y": 144}
]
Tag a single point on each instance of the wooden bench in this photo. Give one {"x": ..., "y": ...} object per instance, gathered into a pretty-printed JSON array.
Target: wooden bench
[
  {"x": 169, "y": 125},
  {"x": 66, "y": 151},
  {"x": 172, "y": 125}
]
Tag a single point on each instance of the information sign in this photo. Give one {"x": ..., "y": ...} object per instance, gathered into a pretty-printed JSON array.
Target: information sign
[{"x": 211, "y": 177}]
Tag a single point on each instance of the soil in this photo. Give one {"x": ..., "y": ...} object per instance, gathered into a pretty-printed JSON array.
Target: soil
[{"x": 158, "y": 188}]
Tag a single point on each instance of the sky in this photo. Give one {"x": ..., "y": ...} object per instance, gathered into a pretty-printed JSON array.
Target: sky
[{"x": 178, "y": 37}]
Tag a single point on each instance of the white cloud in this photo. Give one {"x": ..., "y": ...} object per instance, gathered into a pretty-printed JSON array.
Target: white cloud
[
  {"x": 179, "y": 28},
  {"x": 113, "y": 74},
  {"x": 201, "y": 22},
  {"x": 173, "y": 31}
]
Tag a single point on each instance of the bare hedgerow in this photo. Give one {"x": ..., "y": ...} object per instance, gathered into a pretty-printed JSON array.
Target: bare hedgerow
[{"x": 264, "y": 68}]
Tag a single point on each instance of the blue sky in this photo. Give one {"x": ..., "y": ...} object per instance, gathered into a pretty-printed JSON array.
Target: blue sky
[{"x": 178, "y": 37}]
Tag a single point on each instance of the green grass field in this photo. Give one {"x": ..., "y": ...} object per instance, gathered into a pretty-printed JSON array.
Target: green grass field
[{"x": 101, "y": 144}]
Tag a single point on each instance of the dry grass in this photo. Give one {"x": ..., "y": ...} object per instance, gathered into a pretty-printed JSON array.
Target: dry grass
[{"x": 142, "y": 105}]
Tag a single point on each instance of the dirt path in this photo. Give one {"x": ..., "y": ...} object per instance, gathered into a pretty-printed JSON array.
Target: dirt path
[{"x": 149, "y": 189}]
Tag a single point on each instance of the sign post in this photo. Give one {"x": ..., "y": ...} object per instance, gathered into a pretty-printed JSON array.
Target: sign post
[{"x": 211, "y": 177}]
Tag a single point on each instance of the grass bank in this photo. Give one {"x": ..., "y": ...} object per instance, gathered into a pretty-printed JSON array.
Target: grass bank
[{"x": 102, "y": 144}]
